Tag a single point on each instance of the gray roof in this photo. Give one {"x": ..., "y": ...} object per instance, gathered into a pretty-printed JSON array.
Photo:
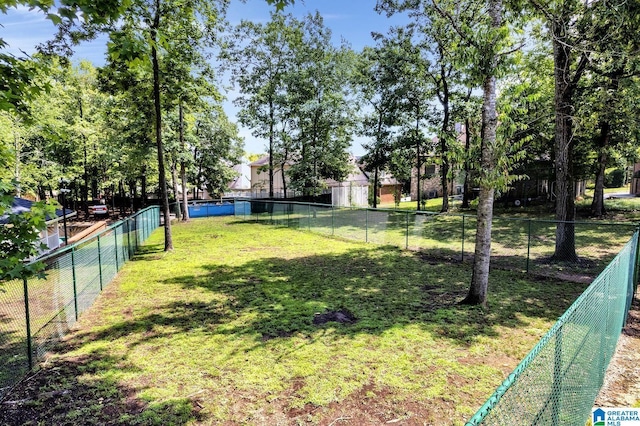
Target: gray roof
[{"x": 22, "y": 205}]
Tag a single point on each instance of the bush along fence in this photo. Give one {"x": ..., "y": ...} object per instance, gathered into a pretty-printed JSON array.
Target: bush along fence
[
  {"x": 517, "y": 244},
  {"x": 36, "y": 313},
  {"x": 557, "y": 383}
]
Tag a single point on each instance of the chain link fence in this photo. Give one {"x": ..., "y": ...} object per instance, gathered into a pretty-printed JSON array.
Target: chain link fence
[
  {"x": 36, "y": 313},
  {"x": 516, "y": 244},
  {"x": 557, "y": 383}
]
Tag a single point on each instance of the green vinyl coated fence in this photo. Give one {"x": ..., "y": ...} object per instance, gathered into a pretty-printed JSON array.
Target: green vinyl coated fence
[
  {"x": 526, "y": 245},
  {"x": 36, "y": 313},
  {"x": 558, "y": 381}
]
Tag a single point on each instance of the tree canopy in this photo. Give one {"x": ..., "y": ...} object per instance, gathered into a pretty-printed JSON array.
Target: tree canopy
[{"x": 479, "y": 90}]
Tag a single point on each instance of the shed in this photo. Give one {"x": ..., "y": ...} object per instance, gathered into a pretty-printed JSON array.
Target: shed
[{"x": 351, "y": 192}]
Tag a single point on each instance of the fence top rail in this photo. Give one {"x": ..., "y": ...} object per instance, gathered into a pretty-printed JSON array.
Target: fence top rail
[
  {"x": 492, "y": 401},
  {"x": 425, "y": 212},
  {"x": 284, "y": 201},
  {"x": 211, "y": 201},
  {"x": 109, "y": 228}
]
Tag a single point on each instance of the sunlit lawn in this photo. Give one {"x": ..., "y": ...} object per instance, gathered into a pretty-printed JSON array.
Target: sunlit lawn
[
  {"x": 222, "y": 331},
  {"x": 619, "y": 209}
]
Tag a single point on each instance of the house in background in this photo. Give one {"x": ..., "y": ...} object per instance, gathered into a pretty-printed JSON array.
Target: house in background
[
  {"x": 260, "y": 179},
  {"x": 389, "y": 187},
  {"x": 52, "y": 235},
  {"x": 635, "y": 181},
  {"x": 430, "y": 182}
]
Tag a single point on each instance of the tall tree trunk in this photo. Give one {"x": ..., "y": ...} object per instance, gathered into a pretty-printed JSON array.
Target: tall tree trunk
[
  {"x": 284, "y": 178},
  {"x": 565, "y": 84},
  {"x": 85, "y": 188},
  {"x": 183, "y": 168},
  {"x": 162, "y": 179},
  {"x": 375, "y": 185},
  {"x": 418, "y": 162},
  {"x": 466, "y": 195},
  {"x": 604, "y": 139},
  {"x": 480, "y": 279},
  {"x": 17, "y": 149},
  {"x": 271, "y": 141},
  {"x": 133, "y": 192},
  {"x": 174, "y": 182},
  {"x": 443, "y": 145},
  {"x": 184, "y": 195},
  {"x": 143, "y": 186},
  {"x": 597, "y": 205},
  {"x": 376, "y": 176},
  {"x": 94, "y": 182}
]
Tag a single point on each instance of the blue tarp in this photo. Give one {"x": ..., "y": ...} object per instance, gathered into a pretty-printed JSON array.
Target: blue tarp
[
  {"x": 242, "y": 208},
  {"x": 207, "y": 210}
]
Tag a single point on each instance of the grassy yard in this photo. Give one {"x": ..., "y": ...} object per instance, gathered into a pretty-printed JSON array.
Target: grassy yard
[
  {"x": 252, "y": 324},
  {"x": 518, "y": 243},
  {"x": 619, "y": 209}
]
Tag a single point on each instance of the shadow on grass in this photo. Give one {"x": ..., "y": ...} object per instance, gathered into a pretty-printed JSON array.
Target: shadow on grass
[
  {"x": 511, "y": 242},
  {"x": 58, "y": 394},
  {"x": 148, "y": 252},
  {"x": 273, "y": 298},
  {"x": 383, "y": 288}
]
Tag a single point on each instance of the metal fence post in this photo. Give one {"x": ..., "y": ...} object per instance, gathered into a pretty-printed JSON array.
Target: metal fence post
[
  {"x": 462, "y": 249},
  {"x": 137, "y": 234},
  {"x": 556, "y": 391},
  {"x": 100, "y": 262},
  {"x": 333, "y": 227},
  {"x": 637, "y": 261},
  {"x": 528, "y": 245},
  {"x": 26, "y": 310},
  {"x": 602, "y": 367},
  {"x": 115, "y": 240},
  {"x": 366, "y": 225},
  {"x": 128, "y": 221},
  {"x": 75, "y": 289},
  {"x": 309, "y": 216},
  {"x": 406, "y": 243}
]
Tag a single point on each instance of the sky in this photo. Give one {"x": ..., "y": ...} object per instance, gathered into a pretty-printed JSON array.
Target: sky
[{"x": 352, "y": 20}]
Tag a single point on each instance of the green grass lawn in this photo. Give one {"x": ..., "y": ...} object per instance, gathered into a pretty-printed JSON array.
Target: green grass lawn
[
  {"x": 619, "y": 209},
  {"x": 226, "y": 330},
  {"x": 518, "y": 242}
]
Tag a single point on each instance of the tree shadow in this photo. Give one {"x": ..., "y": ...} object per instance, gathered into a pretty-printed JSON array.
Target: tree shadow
[
  {"x": 275, "y": 298},
  {"x": 57, "y": 394},
  {"x": 518, "y": 244},
  {"x": 148, "y": 252},
  {"x": 389, "y": 288}
]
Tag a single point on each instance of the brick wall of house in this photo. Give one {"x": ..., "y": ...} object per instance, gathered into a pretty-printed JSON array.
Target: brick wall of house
[{"x": 387, "y": 193}]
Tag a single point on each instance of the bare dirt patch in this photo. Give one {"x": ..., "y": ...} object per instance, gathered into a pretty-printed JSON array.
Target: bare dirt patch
[{"x": 342, "y": 316}]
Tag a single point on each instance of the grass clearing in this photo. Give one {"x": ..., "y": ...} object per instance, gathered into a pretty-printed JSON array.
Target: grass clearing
[
  {"x": 225, "y": 330},
  {"x": 625, "y": 209}
]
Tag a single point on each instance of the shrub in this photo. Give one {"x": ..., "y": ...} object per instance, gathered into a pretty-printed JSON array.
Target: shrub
[{"x": 614, "y": 179}]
